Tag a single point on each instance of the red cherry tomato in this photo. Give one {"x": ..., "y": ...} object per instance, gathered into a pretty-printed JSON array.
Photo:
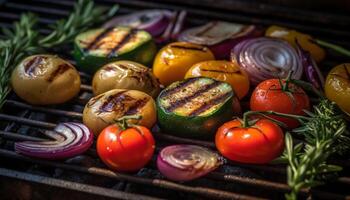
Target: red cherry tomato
[
  {"x": 268, "y": 95},
  {"x": 125, "y": 150},
  {"x": 257, "y": 144}
]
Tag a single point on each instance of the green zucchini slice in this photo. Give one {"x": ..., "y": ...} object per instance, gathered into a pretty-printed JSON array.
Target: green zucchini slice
[
  {"x": 94, "y": 48},
  {"x": 196, "y": 107}
]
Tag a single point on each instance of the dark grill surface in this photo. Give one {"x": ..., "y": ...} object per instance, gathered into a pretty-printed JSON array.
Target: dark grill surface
[{"x": 85, "y": 177}]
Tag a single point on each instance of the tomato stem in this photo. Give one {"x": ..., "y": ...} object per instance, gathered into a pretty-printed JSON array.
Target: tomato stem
[
  {"x": 123, "y": 121},
  {"x": 308, "y": 87},
  {"x": 265, "y": 115},
  {"x": 284, "y": 85}
]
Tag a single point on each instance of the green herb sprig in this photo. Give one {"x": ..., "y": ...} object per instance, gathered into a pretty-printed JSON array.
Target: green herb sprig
[{"x": 24, "y": 39}]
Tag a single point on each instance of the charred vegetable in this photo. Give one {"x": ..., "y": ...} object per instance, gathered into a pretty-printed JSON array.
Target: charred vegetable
[
  {"x": 125, "y": 75},
  {"x": 153, "y": 21},
  {"x": 293, "y": 37},
  {"x": 265, "y": 58},
  {"x": 45, "y": 79},
  {"x": 105, "y": 108},
  {"x": 187, "y": 162},
  {"x": 222, "y": 70},
  {"x": 69, "y": 139},
  {"x": 195, "y": 107},
  {"x": 125, "y": 147},
  {"x": 97, "y": 47},
  {"x": 174, "y": 60},
  {"x": 337, "y": 87},
  {"x": 219, "y": 36}
]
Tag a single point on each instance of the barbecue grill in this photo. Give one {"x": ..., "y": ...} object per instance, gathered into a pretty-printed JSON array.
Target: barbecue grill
[{"x": 85, "y": 177}]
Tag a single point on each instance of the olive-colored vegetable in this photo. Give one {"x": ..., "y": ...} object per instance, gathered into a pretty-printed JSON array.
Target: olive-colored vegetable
[
  {"x": 125, "y": 75},
  {"x": 105, "y": 108},
  {"x": 97, "y": 47},
  {"x": 45, "y": 80},
  {"x": 196, "y": 107}
]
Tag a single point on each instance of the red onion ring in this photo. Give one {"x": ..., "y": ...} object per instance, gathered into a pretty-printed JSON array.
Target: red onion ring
[
  {"x": 265, "y": 58},
  {"x": 70, "y": 139},
  {"x": 152, "y": 21},
  {"x": 219, "y": 36},
  {"x": 187, "y": 162}
]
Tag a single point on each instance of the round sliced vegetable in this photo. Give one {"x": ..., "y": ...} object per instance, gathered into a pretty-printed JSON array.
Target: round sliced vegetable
[
  {"x": 265, "y": 58},
  {"x": 174, "y": 60},
  {"x": 104, "y": 109},
  {"x": 280, "y": 96},
  {"x": 45, "y": 80},
  {"x": 293, "y": 37},
  {"x": 125, "y": 147},
  {"x": 222, "y": 70},
  {"x": 187, "y": 162},
  {"x": 125, "y": 75},
  {"x": 337, "y": 86},
  {"x": 259, "y": 143},
  {"x": 97, "y": 47},
  {"x": 70, "y": 139},
  {"x": 219, "y": 36},
  {"x": 196, "y": 107},
  {"x": 153, "y": 21}
]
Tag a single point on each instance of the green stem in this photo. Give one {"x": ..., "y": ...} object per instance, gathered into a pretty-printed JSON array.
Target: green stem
[
  {"x": 336, "y": 48},
  {"x": 122, "y": 122},
  {"x": 288, "y": 79},
  {"x": 308, "y": 87},
  {"x": 265, "y": 113}
]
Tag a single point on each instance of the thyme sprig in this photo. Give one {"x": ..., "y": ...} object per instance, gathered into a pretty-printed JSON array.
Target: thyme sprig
[{"x": 24, "y": 39}]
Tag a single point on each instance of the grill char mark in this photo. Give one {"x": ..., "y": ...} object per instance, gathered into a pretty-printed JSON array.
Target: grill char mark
[
  {"x": 203, "y": 49},
  {"x": 178, "y": 87},
  {"x": 62, "y": 68},
  {"x": 98, "y": 38},
  {"x": 136, "y": 106},
  {"x": 206, "y": 105},
  {"x": 32, "y": 64},
  {"x": 122, "y": 42},
  {"x": 110, "y": 103},
  {"x": 182, "y": 101}
]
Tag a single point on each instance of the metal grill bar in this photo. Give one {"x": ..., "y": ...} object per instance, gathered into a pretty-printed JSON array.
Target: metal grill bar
[{"x": 72, "y": 185}]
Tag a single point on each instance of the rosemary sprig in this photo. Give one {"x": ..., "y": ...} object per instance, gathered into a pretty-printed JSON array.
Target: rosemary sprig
[
  {"x": 325, "y": 134},
  {"x": 24, "y": 39}
]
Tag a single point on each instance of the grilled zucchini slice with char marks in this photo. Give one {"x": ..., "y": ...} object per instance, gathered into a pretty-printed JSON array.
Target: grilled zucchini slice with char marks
[
  {"x": 196, "y": 107},
  {"x": 97, "y": 47}
]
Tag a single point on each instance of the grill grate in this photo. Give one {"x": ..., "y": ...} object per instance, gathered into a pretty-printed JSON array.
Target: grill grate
[{"x": 20, "y": 121}]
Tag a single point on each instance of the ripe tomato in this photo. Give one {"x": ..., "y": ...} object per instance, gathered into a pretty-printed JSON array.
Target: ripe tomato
[
  {"x": 257, "y": 144},
  {"x": 269, "y": 95},
  {"x": 125, "y": 150},
  {"x": 337, "y": 87}
]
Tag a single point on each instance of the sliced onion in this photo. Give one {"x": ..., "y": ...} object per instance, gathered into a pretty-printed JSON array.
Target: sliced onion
[
  {"x": 187, "y": 162},
  {"x": 70, "y": 139},
  {"x": 311, "y": 70},
  {"x": 219, "y": 36},
  {"x": 152, "y": 21},
  {"x": 265, "y": 58}
]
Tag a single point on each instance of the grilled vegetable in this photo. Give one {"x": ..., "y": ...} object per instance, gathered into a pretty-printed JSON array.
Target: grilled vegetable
[
  {"x": 219, "y": 36},
  {"x": 125, "y": 75},
  {"x": 222, "y": 70},
  {"x": 293, "y": 37},
  {"x": 45, "y": 79},
  {"x": 153, "y": 21},
  {"x": 256, "y": 143},
  {"x": 187, "y": 162},
  {"x": 70, "y": 139},
  {"x": 280, "y": 96},
  {"x": 125, "y": 147},
  {"x": 173, "y": 61},
  {"x": 105, "y": 108},
  {"x": 195, "y": 107},
  {"x": 337, "y": 87},
  {"x": 97, "y": 47},
  {"x": 265, "y": 58}
]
